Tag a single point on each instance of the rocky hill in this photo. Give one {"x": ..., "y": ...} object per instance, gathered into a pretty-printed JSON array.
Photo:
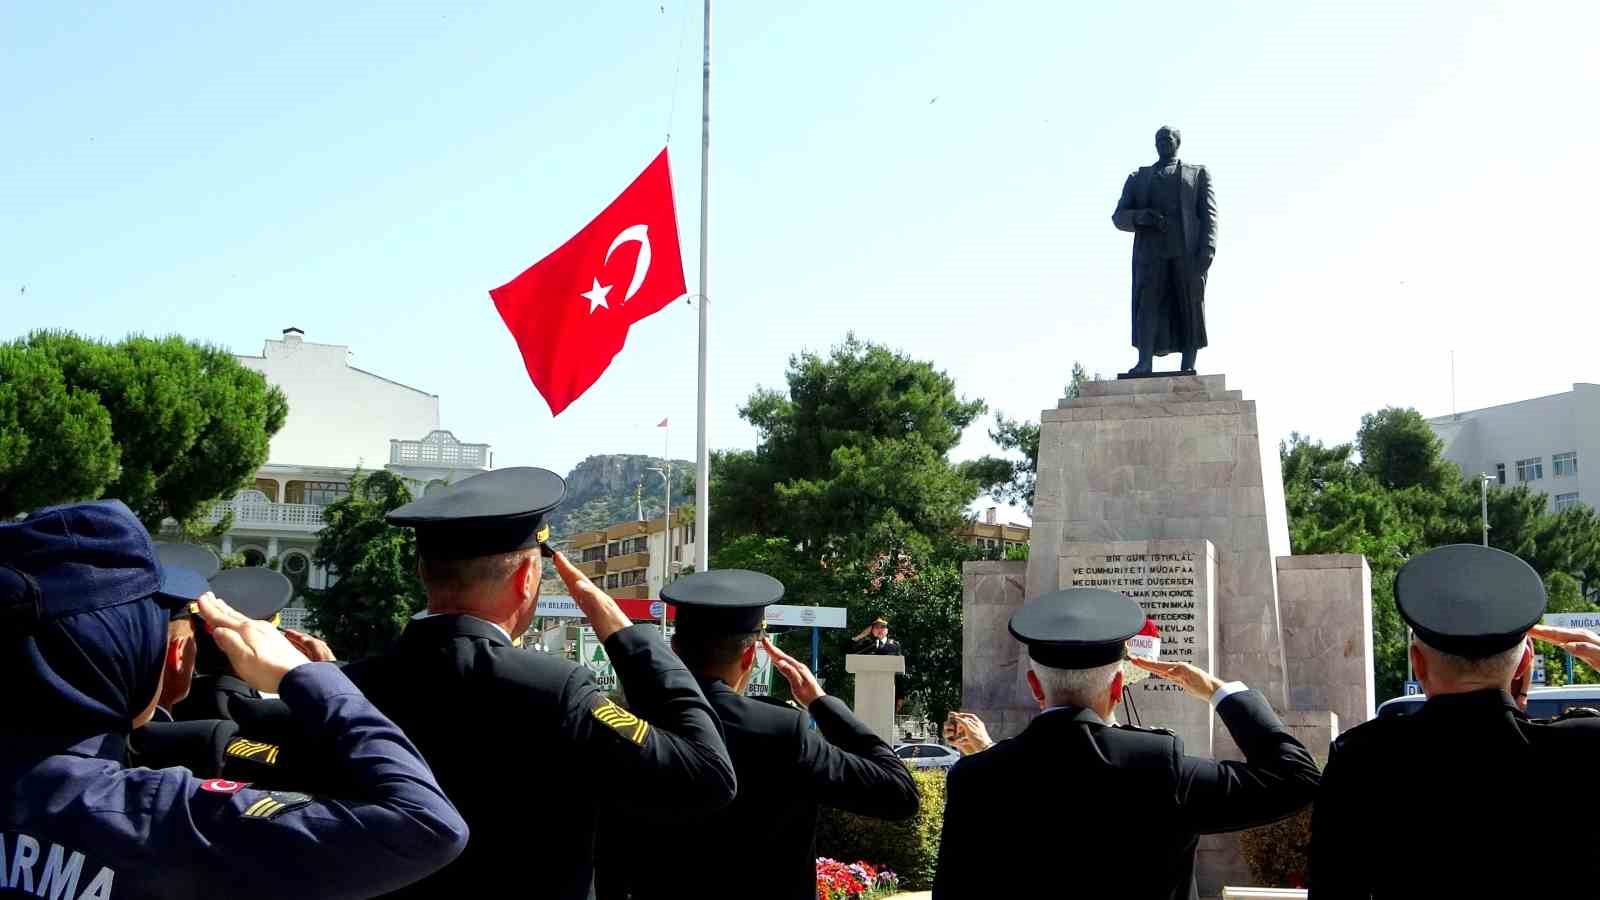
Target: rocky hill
[{"x": 602, "y": 489}]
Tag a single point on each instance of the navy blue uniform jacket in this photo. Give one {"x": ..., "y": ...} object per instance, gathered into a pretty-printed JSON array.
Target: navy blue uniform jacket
[{"x": 75, "y": 823}]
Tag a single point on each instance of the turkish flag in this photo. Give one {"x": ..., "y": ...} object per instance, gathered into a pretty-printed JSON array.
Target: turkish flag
[{"x": 571, "y": 311}]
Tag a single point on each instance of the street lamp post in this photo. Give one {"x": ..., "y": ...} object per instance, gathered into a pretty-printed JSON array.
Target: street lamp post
[
  {"x": 665, "y": 471},
  {"x": 1483, "y": 499}
]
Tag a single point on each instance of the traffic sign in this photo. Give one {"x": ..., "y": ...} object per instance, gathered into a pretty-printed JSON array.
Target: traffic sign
[
  {"x": 1538, "y": 669},
  {"x": 1413, "y": 689}
]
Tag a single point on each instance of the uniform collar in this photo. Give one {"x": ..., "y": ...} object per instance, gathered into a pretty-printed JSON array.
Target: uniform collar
[
  {"x": 1472, "y": 703},
  {"x": 433, "y": 626},
  {"x": 1063, "y": 714}
]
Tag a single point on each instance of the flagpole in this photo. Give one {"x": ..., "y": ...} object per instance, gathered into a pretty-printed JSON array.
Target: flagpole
[
  {"x": 702, "y": 481},
  {"x": 666, "y": 524}
]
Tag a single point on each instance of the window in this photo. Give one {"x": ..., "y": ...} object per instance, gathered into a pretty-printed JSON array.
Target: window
[
  {"x": 295, "y": 564},
  {"x": 268, "y": 487},
  {"x": 1500, "y": 472},
  {"x": 1530, "y": 469},
  {"x": 1565, "y": 464},
  {"x": 631, "y": 578},
  {"x": 688, "y": 534},
  {"x": 613, "y": 549},
  {"x": 591, "y": 554},
  {"x": 254, "y": 557},
  {"x": 614, "y": 580},
  {"x": 317, "y": 493},
  {"x": 677, "y": 553},
  {"x": 1565, "y": 500},
  {"x": 639, "y": 544},
  {"x": 906, "y": 753}
]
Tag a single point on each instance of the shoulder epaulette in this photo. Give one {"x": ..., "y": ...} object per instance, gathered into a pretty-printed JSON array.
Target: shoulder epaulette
[{"x": 789, "y": 704}]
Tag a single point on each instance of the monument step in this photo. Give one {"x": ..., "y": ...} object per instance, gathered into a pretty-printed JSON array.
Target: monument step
[
  {"x": 1160, "y": 384},
  {"x": 1145, "y": 399}
]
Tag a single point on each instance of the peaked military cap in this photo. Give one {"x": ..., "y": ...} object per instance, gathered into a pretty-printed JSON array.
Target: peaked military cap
[
  {"x": 198, "y": 557},
  {"x": 1468, "y": 600},
  {"x": 1078, "y": 628},
  {"x": 723, "y": 601},
  {"x": 494, "y": 512},
  {"x": 257, "y": 592},
  {"x": 881, "y": 621}
]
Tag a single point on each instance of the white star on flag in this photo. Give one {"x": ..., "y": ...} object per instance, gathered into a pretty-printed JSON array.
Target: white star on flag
[{"x": 597, "y": 295}]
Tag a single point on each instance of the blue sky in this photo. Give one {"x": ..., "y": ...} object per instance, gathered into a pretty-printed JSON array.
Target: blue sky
[{"x": 1395, "y": 181}]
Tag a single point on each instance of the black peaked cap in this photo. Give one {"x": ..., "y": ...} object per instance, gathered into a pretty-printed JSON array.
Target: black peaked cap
[
  {"x": 723, "y": 601},
  {"x": 1077, "y": 628},
  {"x": 1469, "y": 600},
  {"x": 255, "y": 591},
  {"x": 494, "y": 512}
]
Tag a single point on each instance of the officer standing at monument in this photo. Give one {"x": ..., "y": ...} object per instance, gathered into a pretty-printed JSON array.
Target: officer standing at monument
[
  {"x": 786, "y": 770},
  {"x": 1137, "y": 804},
  {"x": 526, "y": 743},
  {"x": 83, "y": 628},
  {"x": 1439, "y": 803}
]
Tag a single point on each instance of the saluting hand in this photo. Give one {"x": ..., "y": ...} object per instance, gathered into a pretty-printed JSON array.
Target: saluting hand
[
  {"x": 605, "y": 616},
  {"x": 802, "y": 683},
  {"x": 1192, "y": 679},
  {"x": 1580, "y": 642},
  {"x": 260, "y": 654},
  {"x": 315, "y": 649}
]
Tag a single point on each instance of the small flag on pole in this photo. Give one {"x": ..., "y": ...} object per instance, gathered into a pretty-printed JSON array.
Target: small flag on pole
[{"x": 662, "y": 423}]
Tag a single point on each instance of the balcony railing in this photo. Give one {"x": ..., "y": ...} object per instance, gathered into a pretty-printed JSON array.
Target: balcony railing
[
  {"x": 627, "y": 561},
  {"x": 439, "y": 448},
  {"x": 256, "y": 514},
  {"x": 592, "y": 567}
]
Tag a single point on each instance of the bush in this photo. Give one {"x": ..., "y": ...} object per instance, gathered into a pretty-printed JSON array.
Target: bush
[
  {"x": 1279, "y": 854},
  {"x": 909, "y": 847}
]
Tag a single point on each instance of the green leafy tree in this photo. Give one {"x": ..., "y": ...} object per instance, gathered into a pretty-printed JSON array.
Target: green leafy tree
[
  {"x": 56, "y": 442},
  {"x": 850, "y": 499},
  {"x": 851, "y": 459},
  {"x": 1401, "y": 497},
  {"x": 189, "y": 423},
  {"x": 377, "y": 588}
]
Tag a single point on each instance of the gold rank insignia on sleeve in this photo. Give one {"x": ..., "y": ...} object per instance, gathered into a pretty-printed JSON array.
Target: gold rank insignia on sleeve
[
  {"x": 275, "y": 803},
  {"x": 621, "y": 721},
  {"x": 255, "y": 751}
]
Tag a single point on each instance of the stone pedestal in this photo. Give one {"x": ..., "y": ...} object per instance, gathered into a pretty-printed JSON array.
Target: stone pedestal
[
  {"x": 1172, "y": 458},
  {"x": 1327, "y": 636},
  {"x": 1175, "y": 583},
  {"x": 875, "y": 690}
]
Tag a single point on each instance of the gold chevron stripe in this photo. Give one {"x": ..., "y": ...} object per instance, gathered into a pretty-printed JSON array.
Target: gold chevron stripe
[{"x": 259, "y": 807}]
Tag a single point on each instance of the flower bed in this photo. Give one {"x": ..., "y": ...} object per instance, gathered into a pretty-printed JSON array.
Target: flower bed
[{"x": 853, "y": 881}]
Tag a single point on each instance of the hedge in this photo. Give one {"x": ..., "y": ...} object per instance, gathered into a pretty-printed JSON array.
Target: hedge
[
  {"x": 910, "y": 848},
  {"x": 1279, "y": 854}
]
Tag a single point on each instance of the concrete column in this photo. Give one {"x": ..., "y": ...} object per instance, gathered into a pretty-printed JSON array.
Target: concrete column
[
  {"x": 227, "y": 544},
  {"x": 272, "y": 549}
]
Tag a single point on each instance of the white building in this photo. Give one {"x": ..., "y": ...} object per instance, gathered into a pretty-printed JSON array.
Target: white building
[
  {"x": 341, "y": 419},
  {"x": 1537, "y": 442}
]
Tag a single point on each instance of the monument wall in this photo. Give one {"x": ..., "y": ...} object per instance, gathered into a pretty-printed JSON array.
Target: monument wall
[{"x": 1172, "y": 458}]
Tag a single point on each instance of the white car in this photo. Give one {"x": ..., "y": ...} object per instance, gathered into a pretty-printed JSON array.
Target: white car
[
  {"x": 1543, "y": 702},
  {"x": 928, "y": 756}
]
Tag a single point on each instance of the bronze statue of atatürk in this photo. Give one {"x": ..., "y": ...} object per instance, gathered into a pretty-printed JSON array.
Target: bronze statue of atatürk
[{"x": 1172, "y": 212}]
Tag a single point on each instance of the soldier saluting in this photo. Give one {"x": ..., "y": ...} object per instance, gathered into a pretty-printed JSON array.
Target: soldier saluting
[
  {"x": 489, "y": 716},
  {"x": 1432, "y": 804},
  {"x": 786, "y": 770},
  {"x": 1141, "y": 803}
]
